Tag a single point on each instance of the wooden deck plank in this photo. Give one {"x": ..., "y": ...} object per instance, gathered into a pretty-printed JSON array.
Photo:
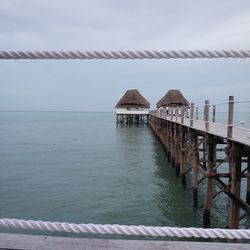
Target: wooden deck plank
[{"x": 30, "y": 242}]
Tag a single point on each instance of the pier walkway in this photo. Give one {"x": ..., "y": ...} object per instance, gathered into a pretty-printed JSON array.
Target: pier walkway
[
  {"x": 30, "y": 242},
  {"x": 240, "y": 134}
]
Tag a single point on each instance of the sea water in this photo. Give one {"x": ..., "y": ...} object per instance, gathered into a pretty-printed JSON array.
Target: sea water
[{"x": 80, "y": 167}]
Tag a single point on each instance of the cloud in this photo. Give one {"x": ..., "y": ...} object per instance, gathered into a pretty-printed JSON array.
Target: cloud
[
  {"x": 120, "y": 25},
  {"x": 124, "y": 25}
]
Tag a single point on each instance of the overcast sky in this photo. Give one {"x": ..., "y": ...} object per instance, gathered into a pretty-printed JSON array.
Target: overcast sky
[{"x": 97, "y": 85}]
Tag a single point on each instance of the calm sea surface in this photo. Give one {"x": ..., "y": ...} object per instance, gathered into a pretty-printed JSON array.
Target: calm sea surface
[{"x": 79, "y": 167}]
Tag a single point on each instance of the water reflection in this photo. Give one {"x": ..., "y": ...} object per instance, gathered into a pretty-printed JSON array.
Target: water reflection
[{"x": 175, "y": 203}]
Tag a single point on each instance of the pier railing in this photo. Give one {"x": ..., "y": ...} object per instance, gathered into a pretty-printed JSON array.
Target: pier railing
[
  {"x": 184, "y": 232},
  {"x": 207, "y": 122}
]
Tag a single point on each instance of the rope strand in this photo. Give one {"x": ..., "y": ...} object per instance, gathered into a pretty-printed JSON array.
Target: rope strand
[{"x": 146, "y": 54}]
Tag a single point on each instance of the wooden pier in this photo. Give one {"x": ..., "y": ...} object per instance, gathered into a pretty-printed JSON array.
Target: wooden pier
[{"x": 197, "y": 145}]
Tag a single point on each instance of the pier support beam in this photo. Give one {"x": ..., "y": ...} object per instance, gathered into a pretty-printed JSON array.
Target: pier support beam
[
  {"x": 248, "y": 182},
  {"x": 169, "y": 142},
  {"x": 195, "y": 170},
  {"x": 210, "y": 182},
  {"x": 177, "y": 152},
  {"x": 235, "y": 190},
  {"x": 183, "y": 160},
  {"x": 172, "y": 146}
]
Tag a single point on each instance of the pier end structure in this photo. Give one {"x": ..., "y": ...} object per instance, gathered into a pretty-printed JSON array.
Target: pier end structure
[
  {"x": 173, "y": 100},
  {"x": 173, "y": 103},
  {"x": 132, "y": 108}
]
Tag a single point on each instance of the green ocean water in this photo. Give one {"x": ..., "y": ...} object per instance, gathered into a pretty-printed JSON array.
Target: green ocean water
[{"x": 80, "y": 167}]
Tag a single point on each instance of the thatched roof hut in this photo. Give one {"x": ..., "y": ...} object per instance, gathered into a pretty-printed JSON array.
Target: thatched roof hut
[
  {"x": 132, "y": 99},
  {"x": 173, "y": 97}
]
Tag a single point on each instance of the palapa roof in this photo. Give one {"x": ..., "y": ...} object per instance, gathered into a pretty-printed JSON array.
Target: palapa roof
[
  {"x": 132, "y": 99},
  {"x": 173, "y": 97}
]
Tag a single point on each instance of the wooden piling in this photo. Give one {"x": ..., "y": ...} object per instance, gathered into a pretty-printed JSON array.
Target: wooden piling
[
  {"x": 177, "y": 152},
  {"x": 183, "y": 160},
  {"x": 169, "y": 142},
  {"x": 195, "y": 170},
  {"x": 235, "y": 190},
  {"x": 173, "y": 147},
  {"x": 209, "y": 182},
  {"x": 248, "y": 181}
]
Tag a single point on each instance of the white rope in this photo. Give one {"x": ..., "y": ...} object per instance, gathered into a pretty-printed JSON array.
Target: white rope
[
  {"x": 126, "y": 230},
  {"x": 146, "y": 54}
]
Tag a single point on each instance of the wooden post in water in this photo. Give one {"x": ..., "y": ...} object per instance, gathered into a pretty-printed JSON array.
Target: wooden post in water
[
  {"x": 197, "y": 113},
  {"x": 173, "y": 146},
  {"x": 248, "y": 181},
  {"x": 230, "y": 117},
  {"x": 176, "y": 114},
  {"x": 183, "y": 159},
  {"x": 169, "y": 141},
  {"x": 165, "y": 138},
  {"x": 209, "y": 180},
  {"x": 192, "y": 115},
  {"x": 177, "y": 153},
  {"x": 182, "y": 151},
  {"x": 235, "y": 189},
  {"x": 214, "y": 112},
  {"x": 195, "y": 170},
  {"x": 206, "y": 115}
]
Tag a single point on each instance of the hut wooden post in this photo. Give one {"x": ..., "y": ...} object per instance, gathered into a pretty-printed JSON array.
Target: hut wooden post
[
  {"x": 182, "y": 114},
  {"x": 209, "y": 181},
  {"x": 230, "y": 117},
  {"x": 176, "y": 114},
  {"x": 248, "y": 181},
  {"x": 206, "y": 115},
  {"x": 172, "y": 113},
  {"x": 235, "y": 190},
  {"x": 192, "y": 115},
  {"x": 195, "y": 170}
]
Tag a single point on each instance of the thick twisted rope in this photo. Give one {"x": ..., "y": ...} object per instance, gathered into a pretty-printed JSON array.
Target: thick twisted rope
[
  {"x": 126, "y": 230},
  {"x": 146, "y": 54}
]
